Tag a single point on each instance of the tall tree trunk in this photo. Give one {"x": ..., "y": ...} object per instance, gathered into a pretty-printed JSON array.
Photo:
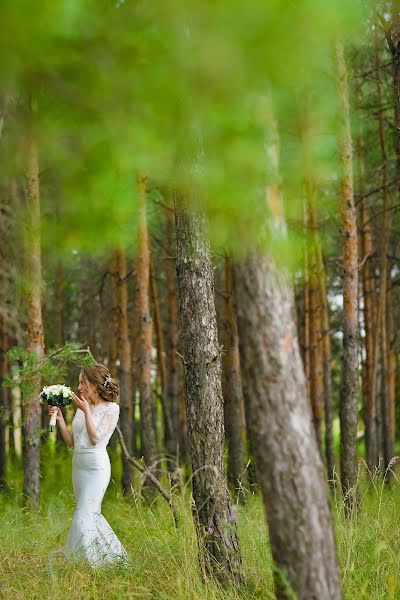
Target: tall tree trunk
[
  {"x": 306, "y": 340},
  {"x": 113, "y": 328},
  {"x": 59, "y": 304},
  {"x": 247, "y": 400},
  {"x": 325, "y": 351},
  {"x": 124, "y": 368},
  {"x": 233, "y": 392},
  {"x": 319, "y": 341},
  {"x": 16, "y": 407},
  {"x": 391, "y": 361},
  {"x": 368, "y": 289},
  {"x": 291, "y": 474},
  {"x": 327, "y": 376},
  {"x": 350, "y": 362},
  {"x": 34, "y": 326},
  {"x": 381, "y": 329},
  {"x": 169, "y": 434},
  {"x": 113, "y": 315},
  {"x": 5, "y": 222},
  {"x": 134, "y": 336},
  {"x": 216, "y": 530},
  {"x": 59, "y": 327},
  {"x": 394, "y": 47},
  {"x": 392, "y": 355},
  {"x": 303, "y": 303},
  {"x": 4, "y": 399},
  {"x": 173, "y": 391},
  {"x": 145, "y": 337},
  {"x": 315, "y": 323}
]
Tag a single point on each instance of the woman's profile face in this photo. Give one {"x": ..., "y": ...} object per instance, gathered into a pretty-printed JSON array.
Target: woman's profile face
[{"x": 84, "y": 387}]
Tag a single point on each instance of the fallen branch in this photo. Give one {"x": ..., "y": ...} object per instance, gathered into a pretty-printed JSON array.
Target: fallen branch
[{"x": 150, "y": 476}]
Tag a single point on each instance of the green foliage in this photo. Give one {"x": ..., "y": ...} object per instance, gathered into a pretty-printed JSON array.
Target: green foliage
[
  {"x": 51, "y": 368},
  {"x": 174, "y": 90}
]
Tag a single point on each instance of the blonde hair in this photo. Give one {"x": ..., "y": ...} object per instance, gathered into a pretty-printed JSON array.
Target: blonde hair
[{"x": 100, "y": 376}]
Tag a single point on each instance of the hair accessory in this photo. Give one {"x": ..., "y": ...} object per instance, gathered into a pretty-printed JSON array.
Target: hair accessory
[{"x": 107, "y": 380}]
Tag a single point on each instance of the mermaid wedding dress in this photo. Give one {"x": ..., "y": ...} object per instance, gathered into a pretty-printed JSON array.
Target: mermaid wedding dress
[{"x": 90, "y": 537}]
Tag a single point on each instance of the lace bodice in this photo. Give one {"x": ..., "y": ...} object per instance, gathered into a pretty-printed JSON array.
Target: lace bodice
[{"x": 105, "y": 417}]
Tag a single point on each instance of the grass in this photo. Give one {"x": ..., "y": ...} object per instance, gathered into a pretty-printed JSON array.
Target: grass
[{"x": 164, "y": 558}]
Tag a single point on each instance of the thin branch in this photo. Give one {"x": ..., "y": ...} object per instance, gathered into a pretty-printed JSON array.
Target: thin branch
[
  {"x": 364, "y": 260},
  {"x": 149, "y": 475},
  {"x": 103, "y": 281},
  {"x": 385, "y": 29},
  {"x": 364, "y": 74},
  {"x": 157, "y": 241},
  {"x": 118, "y": 280},
  {"x": 128, "y": 275},
  {"x": 222, "y": 295},
  {"x": 169, "y": 208},
  {"x": 375, "y": 191},
  {"x": 382, "y": 212},
  {"x": 180, "y": 356}
]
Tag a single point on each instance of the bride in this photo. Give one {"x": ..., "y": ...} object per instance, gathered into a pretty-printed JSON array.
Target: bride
[{"x": 90, "y": 537}]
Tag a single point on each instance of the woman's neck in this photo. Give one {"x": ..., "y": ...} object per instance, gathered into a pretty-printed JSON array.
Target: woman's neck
[{"x": 97, "y": 400}]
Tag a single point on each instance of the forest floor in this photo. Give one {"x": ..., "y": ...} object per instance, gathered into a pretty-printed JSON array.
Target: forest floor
[{"x": 164, "y": 565}]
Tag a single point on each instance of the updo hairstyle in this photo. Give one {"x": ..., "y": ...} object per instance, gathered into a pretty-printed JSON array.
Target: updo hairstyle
[{"x": 99, "y": 376}]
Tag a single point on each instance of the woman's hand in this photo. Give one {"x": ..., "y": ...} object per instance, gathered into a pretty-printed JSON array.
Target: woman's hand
[
  {"x": 81, "y": 402},
  {"x": 59, "y": 415}
]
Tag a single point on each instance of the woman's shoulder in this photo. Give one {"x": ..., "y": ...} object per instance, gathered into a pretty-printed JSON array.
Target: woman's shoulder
[{"x": 111, "y": 407}]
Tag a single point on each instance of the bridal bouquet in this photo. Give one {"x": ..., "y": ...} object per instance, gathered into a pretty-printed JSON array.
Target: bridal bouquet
[{"x": 55, "y": 395}]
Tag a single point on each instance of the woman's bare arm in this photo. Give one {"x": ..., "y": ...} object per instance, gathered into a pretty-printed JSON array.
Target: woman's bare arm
[
  {"x": 91, "y": 427},
  {"x": 84, "y": 405},
  {"x": 66, "y": 434}
]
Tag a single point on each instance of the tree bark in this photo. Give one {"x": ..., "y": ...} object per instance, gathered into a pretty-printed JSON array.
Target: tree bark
[
  {"x": 350, "y": 362},
  {"x": 124, "y": 368},
  {"x": 291, "y": 473},
  {"x": 392, "y": 355},
  {"x": 381, "y": 342},
  {"x": 368, "y": 290},
  {"x": 173, "y": 366},
  {"x": 232, "y": 390},
  {"x": 170, "y": 438},
  {"x": 59, "y": 305},
  {"x": 325, "y": 348},
  {"x": 6, "y": 210},
  {"x": 4, "y": 399},
  {"x": 59, "y": 327},
  {"x": 16, "y": 407},
  {"x": 216, "y": 530},
  {"x": 34, "y": 326},
  {"x": 247, "y": 391},
  {"x": 112, "y": 330},
  {"x": 113, "y": 316},
  {"x": 391, "y": 361},
  {"x": 315, "y": 324},
  {"x": 306, "y": 339},
  {"x": 394, "y": 47},
  {"x": 145, "y": 337}
]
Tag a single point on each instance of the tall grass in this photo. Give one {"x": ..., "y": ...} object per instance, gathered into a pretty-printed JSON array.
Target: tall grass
[{"x": 164, "y": 559}]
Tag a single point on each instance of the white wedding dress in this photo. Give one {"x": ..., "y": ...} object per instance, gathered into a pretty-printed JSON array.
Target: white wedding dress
[{"x": 90, "y": 537}]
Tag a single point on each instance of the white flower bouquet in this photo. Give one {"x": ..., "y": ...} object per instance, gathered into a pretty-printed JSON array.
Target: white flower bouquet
[{"x": 56, "y": 395}]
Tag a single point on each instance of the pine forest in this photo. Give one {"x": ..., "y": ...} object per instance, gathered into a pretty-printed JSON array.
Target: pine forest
[{"x": 200, "y": 239}]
